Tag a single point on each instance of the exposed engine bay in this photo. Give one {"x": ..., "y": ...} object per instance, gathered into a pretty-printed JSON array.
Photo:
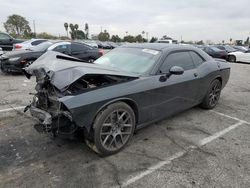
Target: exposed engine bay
[
  {"x": 88, "y": 82},
  {"x": 54, "y": 116}
]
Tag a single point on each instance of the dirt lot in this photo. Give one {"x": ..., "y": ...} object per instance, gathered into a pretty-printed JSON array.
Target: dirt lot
[{"x": 196, "y": 148}]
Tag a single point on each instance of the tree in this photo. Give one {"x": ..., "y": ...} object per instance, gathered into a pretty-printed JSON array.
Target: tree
[
  {"x": 200, "y": 42},
  {"x": 86, "y": 28},
  {"x": 247, "y": 41},
  {"x": 115, "y": 38},
  {"x": 72, "y": 32},
  {"x": 66, "y": 25},
  {"x": 139, "y": 38},
  {"x": 230, "y": 40},
  {"x": 153, "y": 39},
  {"x": 17, "y": 25},
  {"x": 76, "y": 27},
  {"x": 45, "y": 35},
  {"x": 79, "y": 34},
  {"x": 129, "y": 38},
  {"x": 165, "y": 37},
  {"x": 103, "y": 36}
]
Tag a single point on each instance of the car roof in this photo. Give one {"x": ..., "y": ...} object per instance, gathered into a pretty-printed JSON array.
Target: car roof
[{"x": 157, "y": 46}]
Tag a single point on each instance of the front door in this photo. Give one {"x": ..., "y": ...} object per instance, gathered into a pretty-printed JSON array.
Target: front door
[{"x": 178, "y": 92}]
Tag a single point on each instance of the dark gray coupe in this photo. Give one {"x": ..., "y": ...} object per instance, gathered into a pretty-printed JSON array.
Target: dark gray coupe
[{"x": 126, "y": 89}]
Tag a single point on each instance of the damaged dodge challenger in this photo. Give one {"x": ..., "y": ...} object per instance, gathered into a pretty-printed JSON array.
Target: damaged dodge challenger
[{"x": 128, "y": 88}]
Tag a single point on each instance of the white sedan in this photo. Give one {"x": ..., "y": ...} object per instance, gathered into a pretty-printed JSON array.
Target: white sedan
[
  {"x": 28, "y": 44},
  {"x": 239, "y": 56}
]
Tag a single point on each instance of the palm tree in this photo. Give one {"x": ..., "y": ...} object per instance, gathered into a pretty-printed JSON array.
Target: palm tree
[
  {"x": 76, "y": 26},
  {"x": 230, "y": 40},
  {"x": 86, "y": 30},
  {"x": 66, "y": 25},
  {"x": 143, "y": 33},
  {"x": 72, "y": 28}
]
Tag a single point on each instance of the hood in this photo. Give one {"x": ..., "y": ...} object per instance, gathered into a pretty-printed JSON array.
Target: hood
[
  {"x": 236, "y": 53},
  {"x": 63, "y": 70}
]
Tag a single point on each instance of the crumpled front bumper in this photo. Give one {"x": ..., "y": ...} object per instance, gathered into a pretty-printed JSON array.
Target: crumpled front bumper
[{"x": 44, "y": 117}]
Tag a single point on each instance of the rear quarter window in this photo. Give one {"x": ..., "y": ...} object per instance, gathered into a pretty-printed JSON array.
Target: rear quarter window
[{"x": 197, "y": 59}]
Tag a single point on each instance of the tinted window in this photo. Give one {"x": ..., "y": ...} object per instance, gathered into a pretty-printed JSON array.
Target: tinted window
[
  {"x": 196, "y": 58},
  {"x": 182, "y": 59},
  {"x": 78, "y": 48},
  {"x": 34, "y": 43},
  {"x": 63, "y": 48},
  {"x": 4, "y": 36}
]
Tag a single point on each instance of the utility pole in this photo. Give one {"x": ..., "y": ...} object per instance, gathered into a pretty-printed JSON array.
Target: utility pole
[{"x": 34, "y": 28}]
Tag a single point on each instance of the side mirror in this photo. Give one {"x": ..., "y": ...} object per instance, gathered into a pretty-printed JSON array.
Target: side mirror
[
  {"x": 176, "y": 70},
  {"x": 11, "y": 39}
]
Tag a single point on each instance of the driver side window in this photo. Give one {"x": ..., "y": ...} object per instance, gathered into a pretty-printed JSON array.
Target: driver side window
[{"x": 181, "y": 59}]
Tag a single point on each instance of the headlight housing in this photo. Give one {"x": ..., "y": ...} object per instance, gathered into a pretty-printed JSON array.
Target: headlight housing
[{"x": 14, "y": 58}]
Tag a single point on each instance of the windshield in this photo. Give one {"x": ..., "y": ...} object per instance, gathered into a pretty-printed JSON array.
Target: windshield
[
  {"x": 230, "y": 49},
  {"x": 133, "y": 60},
  {"x": 42, "y": 47}
]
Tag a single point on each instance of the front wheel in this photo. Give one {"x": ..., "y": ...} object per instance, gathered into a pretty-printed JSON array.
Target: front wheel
[
  {"x": 232, "y": 58},
  {"x": 28, "y": 63},
  {"x": 213, "y": 95},
  {"x": 113, "y": 128}
]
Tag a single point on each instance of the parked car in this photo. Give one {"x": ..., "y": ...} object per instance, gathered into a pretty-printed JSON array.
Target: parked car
[
  {"x": 226, "y": 48},
  {"x": 7, "y": 41},
  {"x": 239, "y": 57},
  {"x": 126, "y": 89},
  {"x": 216, "y": 52},
  {"x": 91, "y": 43},
  {"x": 103, "y": 45},
  {"x": 28, "y": 44},
  {"x": 16, "y": 60},
  {"x": 241, "y": 48},
  {"x": 112, "y": 44}
]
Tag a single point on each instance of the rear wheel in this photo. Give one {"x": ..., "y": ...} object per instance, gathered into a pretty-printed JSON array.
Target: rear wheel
[
  {"x": 112, "y": 129},
  {"x": 232, "y": 58},
  {"x": 213, "y": 95}
]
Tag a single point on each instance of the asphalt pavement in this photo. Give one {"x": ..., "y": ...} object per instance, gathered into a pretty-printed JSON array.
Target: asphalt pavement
[{"x": 196, "y": 148}]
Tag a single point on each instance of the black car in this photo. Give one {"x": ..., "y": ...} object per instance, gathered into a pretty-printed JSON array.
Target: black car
[
  {"x": 7, "y": 41},
  {"x": 14, "y": 61},
  {"x": 126, "y": 89},
  {"x": 226, "y": 48},
  {"x": 216, "y": 52}
]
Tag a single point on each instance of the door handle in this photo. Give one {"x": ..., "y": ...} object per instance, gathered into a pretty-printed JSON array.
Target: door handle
[{"x": 195, "y": 74}]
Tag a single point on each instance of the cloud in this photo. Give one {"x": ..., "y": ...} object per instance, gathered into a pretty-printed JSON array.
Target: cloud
[{"x": 190, "y": 19}]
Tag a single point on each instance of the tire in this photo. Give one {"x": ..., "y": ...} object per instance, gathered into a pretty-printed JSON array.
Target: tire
[
  {"x": 112, "y": 129},
  {"x": 213, "y": 95},
  {"x": 29, "y": 62},
  {"x": 91, "y": 60},
  {"x": 232, "y": 59}
]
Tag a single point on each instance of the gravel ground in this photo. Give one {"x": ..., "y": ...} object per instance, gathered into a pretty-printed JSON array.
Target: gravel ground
[{"x": 196, "y": 148}]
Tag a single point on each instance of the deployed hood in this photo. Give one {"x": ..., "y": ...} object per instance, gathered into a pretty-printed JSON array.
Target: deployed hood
[{"x": 64, "y": 70}]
